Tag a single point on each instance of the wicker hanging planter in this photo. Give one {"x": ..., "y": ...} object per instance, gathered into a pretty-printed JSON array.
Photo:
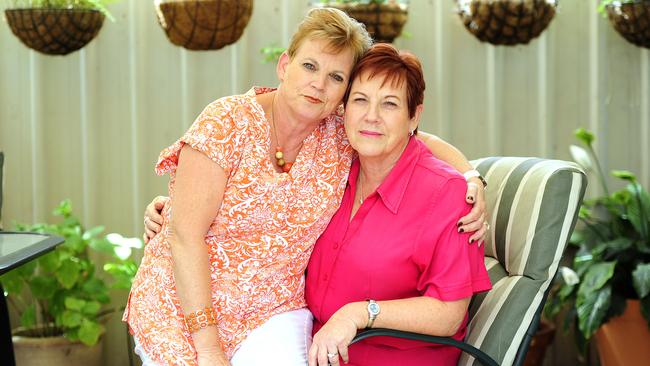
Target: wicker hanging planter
[
  {"x": 54, "y": 31},
  {"x": 632, "y": 21},
  {"x": 204, "y": 24},
  {"x": 506, "y": 22},
  {"x": 384, "y": 21}
]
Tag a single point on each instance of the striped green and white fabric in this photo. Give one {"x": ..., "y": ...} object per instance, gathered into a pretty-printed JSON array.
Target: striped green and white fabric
[{"x": 533, "y": 205}]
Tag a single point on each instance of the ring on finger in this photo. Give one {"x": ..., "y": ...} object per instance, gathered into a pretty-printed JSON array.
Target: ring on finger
[{"x": 332, "y": 355}]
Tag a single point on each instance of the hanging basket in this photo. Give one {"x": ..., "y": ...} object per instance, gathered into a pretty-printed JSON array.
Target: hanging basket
[
  {"x": 506, "y": 22},
  {"x": 204, "y": 24},
  {"x": 632, "y": 21},
  {"x": 384, "y": 22},
  {"x": 54, "y": 31}
]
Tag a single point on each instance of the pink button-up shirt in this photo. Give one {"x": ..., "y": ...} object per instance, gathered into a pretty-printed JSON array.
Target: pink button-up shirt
[{"x": 402, "y": 242}]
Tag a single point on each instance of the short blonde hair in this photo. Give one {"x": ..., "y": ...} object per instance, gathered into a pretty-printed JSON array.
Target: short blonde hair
[{"x": 335, "y": 27}]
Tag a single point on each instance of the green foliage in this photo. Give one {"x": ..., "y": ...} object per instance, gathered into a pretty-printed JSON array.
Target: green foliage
[
  {"x": 99, "y": 5},
  {"x": 61, "y": 293},
  {"x": 271, "y": 53},
  {"x": 603, "y": 4},
  {"x": 612, "y": 263}
]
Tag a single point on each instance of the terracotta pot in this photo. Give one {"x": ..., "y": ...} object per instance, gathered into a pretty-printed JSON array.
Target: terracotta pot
[
  {"x": 625, "y": 339},
  {"x": 54, "y": 351},
  {"x": 538, "y": 345}
]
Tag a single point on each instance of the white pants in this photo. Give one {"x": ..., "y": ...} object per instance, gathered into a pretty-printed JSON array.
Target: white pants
[{"x": 283, "y": 340}]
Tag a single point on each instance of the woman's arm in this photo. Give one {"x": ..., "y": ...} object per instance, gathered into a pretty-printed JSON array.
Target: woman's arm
[
  {"x": 424, "y": 314},
  {"x": 198, "y": 193},
  {"x": 445, "y": 151},
  {"x": 474, "y": 221}
]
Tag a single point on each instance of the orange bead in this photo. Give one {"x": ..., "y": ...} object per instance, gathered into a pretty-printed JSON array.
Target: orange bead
[
  {"x": 278, "y": 148},
  {"x": 287, "y": 167}
]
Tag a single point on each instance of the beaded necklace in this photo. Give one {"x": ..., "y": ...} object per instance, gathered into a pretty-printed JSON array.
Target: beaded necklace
[{"x": 279, "y": 150}]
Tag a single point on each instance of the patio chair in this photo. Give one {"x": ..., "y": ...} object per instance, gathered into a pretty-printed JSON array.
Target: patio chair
[{"x": 533, "y": 205}]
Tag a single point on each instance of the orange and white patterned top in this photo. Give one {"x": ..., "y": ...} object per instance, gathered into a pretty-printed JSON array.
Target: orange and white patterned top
[{"x": 260, "y": 241}]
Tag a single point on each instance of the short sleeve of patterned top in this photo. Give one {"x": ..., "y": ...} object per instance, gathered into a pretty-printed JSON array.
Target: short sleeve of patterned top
[{"x": 260, "y": 241}]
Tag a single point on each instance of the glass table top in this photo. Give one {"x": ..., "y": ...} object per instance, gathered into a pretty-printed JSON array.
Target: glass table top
[{"x": 17, "y": 248}]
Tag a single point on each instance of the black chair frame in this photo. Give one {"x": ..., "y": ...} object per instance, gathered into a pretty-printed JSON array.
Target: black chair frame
[{"x": 479, "y": 355}]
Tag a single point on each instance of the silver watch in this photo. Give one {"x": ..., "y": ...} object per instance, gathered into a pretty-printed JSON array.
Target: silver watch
[{"x": 373, "y": 311}]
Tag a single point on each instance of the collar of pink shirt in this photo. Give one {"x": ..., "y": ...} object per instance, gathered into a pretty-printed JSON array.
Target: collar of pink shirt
[{"x": 391, "y": 190}]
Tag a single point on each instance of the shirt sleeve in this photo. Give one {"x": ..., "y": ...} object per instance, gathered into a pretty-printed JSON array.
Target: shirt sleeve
[
  {"x": 451, "y": 267},
  {"x": 215, "y": 133}
]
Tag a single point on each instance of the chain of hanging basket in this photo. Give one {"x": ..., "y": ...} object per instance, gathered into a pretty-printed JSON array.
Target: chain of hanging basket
[
  {"x": 506, "y": 22},
  {"x": 632, "y": 21},
  {"x": 384, "y": 21},
  {"x": 204, "y": 24},
  {"x": 54, "y": 31}
]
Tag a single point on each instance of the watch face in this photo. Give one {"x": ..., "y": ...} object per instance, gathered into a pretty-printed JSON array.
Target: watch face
[{"x": 373, "y": 307}]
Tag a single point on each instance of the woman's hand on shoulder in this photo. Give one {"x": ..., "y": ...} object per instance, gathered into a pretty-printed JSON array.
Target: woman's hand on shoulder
[
  {"x": 476, "y": 220},
  {"x": 152, "y": 217},
  {"x": 330, "y": 344}
]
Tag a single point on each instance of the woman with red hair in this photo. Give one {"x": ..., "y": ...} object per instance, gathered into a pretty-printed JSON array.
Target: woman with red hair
[{"x": 392, "y": 255}]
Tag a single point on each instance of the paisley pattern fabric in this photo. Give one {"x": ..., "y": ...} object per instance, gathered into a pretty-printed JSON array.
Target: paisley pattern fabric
[{"x": 261, "y": 239}]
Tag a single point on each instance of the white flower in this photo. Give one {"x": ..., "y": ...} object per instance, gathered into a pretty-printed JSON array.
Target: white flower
[
  {"x": 123, "y": 246},
  {"x": 569, "y": 276},
  {"x": 581, "y": 157}
]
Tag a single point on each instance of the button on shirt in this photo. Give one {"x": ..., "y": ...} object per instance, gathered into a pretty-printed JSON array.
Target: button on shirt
[{"x": 402, "y": 242}]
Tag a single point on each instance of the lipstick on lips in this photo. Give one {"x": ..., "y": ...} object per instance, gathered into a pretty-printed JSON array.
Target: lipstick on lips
[
  {"x": 312, "y": 100},
  {"x": 369, "y": 133}
]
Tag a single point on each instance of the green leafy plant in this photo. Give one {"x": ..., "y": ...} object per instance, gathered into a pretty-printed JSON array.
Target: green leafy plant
[
  {"x": 603, "y": 5},
  {"x": 62, "y": 293},
  {"x": 271, "y": 53},
  {"x": 99, "y": 5},
  {"x": 612, "y": 262}
]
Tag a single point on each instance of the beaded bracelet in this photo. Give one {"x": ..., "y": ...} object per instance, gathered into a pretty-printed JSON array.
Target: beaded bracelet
[{"x": 200, "y": 319}]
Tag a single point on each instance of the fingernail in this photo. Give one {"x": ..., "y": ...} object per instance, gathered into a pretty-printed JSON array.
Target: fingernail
[
  {"x": 461, "y": 230},
  {"x": 471, "y": 241},
  {"x": 459, "y": 223},
  {"x": 470, "y": 198}
]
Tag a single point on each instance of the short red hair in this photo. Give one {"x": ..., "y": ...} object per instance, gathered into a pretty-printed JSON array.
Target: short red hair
[{"x": 397, "y": 67}]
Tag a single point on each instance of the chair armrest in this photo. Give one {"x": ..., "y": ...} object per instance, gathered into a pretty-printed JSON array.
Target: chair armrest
[{"x": 447, "y": 341}]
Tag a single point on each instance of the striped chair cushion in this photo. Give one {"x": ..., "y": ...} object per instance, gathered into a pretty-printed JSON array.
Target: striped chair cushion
[{"x": 533, "y": 205}]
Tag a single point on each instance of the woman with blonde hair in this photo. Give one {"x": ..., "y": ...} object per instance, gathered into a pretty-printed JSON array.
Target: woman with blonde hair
[{"x": 254, "y": 182}]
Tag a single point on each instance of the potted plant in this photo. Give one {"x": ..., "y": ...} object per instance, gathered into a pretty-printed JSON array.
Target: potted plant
[
  {"x": 384, "y": 19},
  {"x": 203, "y": 24},
  {"x": 61, "y": 298},
  {"x": 506, "y": 22},
  {"x": 630, "y": 18},
  {"x": 609, "y": 284},
  {"x": 57, "y": 27}
]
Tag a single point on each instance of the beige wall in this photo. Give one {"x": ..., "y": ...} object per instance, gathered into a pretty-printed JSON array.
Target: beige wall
[{"x": 89, "y": 126}]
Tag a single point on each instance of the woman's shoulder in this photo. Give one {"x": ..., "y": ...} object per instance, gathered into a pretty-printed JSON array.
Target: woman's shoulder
[
  {"x": 236, "y": 103},
  {"x": 434, "y": 171}
]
